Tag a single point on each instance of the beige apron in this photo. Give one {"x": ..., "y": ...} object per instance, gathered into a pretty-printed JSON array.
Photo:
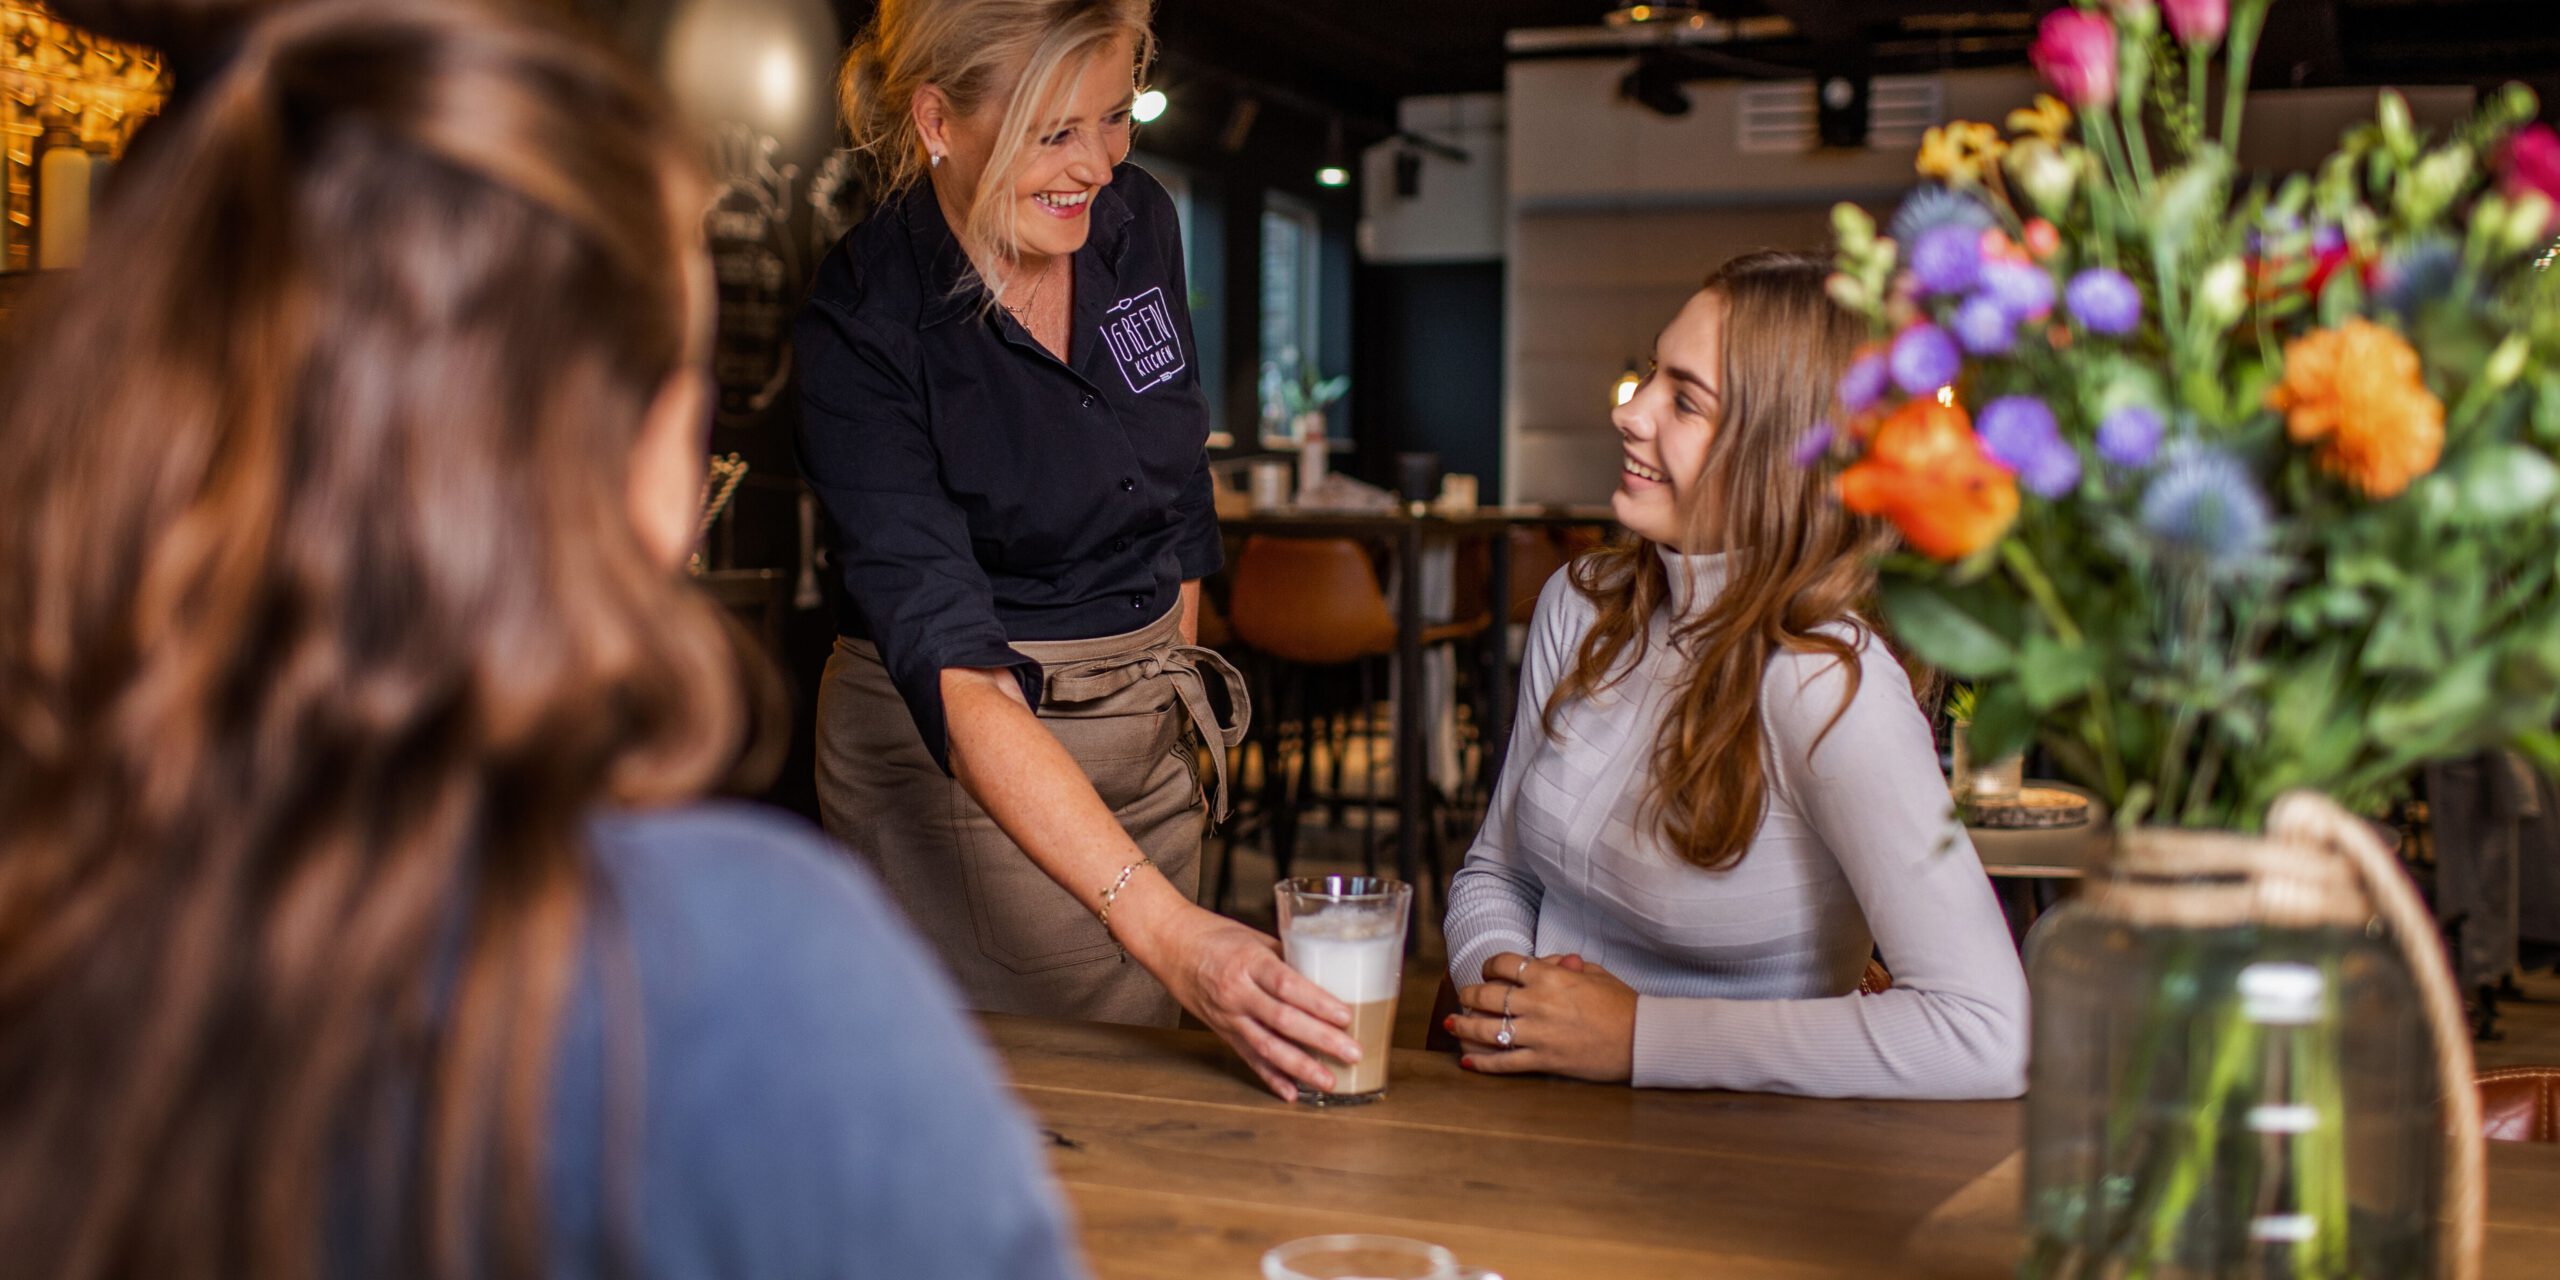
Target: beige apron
[{"x": 1125, "y": 707}]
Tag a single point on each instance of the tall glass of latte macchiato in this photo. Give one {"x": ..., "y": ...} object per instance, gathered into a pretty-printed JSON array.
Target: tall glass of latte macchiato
[{"x": 1346, "y": 934}]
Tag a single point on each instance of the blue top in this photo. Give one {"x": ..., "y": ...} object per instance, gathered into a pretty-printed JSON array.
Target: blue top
[
  {"x": 811, "y": 1102},
  {"x": 978, "y": 490}
]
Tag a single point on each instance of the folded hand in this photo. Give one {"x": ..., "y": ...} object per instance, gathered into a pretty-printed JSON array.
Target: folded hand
[{"x": 1567, "y": 1017}]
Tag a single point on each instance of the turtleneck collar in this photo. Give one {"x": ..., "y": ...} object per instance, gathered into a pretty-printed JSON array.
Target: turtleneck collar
[{"x": 1696, "y": 580}]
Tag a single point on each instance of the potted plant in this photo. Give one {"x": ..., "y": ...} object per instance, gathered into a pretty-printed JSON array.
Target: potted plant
[
  {"x": 2239, "y": 498},
  {"x": 1294, "y": 399}
]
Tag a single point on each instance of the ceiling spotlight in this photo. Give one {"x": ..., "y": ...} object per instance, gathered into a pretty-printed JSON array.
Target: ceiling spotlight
[
  {"x": 1146, "y": 107},
  {"x": 1658, "y": 15},
  {"x": 1336, "y": 170}
]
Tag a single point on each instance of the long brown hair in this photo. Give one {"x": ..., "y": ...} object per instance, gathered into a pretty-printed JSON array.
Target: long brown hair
[
  {"x": 1797, "y": 562},
  {"x": 323, "y": 627}
]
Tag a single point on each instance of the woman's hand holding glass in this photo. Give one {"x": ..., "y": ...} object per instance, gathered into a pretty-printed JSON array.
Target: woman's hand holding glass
[
  {"x": 1563, "y": 1016},
  {"x": 1233, "y": 979}
]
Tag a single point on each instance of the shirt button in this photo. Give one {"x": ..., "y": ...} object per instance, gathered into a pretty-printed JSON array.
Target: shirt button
[
  {"x": 1088, "y": 400},
  {"x": 1128, "y": 486},
  {"x": 1138, "y": 602},
  {"x": 1121, "y": 545}
]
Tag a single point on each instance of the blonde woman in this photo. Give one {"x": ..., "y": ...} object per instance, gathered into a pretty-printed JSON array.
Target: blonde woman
[
  {"x": 1005, "y": 425},
  {"x": 1722, "y": 795}
]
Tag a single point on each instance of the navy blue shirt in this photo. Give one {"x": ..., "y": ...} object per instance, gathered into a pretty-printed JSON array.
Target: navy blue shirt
[
  {"x": 811, "y": 1101},
  {"x": 978, "y": 490}
]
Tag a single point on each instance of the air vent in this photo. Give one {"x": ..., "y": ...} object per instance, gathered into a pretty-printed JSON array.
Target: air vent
[
  {"x": 1901, "y": 108},
  {"x": 1779, "y": 119}
]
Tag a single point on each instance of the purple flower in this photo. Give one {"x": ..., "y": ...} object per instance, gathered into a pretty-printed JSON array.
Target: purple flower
[
  {"x": 2130, "y": 436},
  {"x": 2203, "y": 503},
  {"x": 1985, "y": 327},
  {"x": 1947, "y": 260},
  {"x": 1816, "y": 443},
  {"x": 2014, "y": 427},
  {"x": 1924, "y": 359},
  {"x": 1863, "y": 384},
  {"x": 2020, "y": 433},
  {"x": 2104, "y": 300},
  {"x": 2054, "y": 473},
  {"x": 2022, "y": 289}
]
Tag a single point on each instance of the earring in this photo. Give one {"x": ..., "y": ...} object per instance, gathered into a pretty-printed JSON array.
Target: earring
[{"x": 936, "y": 161}]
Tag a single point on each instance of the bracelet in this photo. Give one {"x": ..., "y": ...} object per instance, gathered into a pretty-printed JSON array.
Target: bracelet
[{"x": 1112, "y": 894}]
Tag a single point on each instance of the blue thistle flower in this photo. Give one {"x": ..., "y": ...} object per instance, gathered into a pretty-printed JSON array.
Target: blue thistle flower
[
  {"x": 2419, "y": 274},
  {"x": 1931, "y": 207},
  {"x": 2205, "y": 504}
]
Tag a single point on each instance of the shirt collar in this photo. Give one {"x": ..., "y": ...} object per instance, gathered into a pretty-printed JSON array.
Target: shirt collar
[
  {"x": 942, "y": 266},
  {"x": 1696, "y": 581}
]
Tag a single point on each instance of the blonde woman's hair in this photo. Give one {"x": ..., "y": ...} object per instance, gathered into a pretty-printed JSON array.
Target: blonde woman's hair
[
  {"x": 1798, "y": 563},
  {"x": 1020, "y": 57}
]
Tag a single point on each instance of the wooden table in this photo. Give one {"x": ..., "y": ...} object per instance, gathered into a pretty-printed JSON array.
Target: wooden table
[
  {"x": 1180, "y": 1168},
  {"x": 1403, "y": 533}
]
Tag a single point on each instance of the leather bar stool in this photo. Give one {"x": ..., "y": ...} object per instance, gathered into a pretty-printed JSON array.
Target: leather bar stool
[
  {"x": 2520, "y": 1104},
  {"x": 1307, "y": 605}
]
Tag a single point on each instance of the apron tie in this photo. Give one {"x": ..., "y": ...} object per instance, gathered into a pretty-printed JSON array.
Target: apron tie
[{"x": 1190, "y": 668}]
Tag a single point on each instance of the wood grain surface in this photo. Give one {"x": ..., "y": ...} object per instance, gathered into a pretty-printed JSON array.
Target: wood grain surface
[{"x": 1179, "y": 1166}]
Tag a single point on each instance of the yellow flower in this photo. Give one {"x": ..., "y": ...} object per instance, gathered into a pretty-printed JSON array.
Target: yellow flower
[
  {"x": 1960, "y": 151},
  {"x": 2047, "y": 119},
  {"x": 2357, "y": 390}
]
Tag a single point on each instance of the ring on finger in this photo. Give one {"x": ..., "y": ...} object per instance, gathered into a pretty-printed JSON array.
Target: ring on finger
[
  {"x": 1503, "y": 1037},
  {"x": 1523, "y": 974},
  {"x": 1506, "y": 1000}
]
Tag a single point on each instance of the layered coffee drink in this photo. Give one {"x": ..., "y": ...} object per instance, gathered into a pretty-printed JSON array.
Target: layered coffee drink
[{"x": 1346, "y": 934}]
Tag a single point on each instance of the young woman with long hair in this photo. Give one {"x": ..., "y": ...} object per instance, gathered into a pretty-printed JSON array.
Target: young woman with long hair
[
  {"x": 357, "y": 915},
  {"x": 1722, "y": 796},
  {"x": 1004, "y": 423}
]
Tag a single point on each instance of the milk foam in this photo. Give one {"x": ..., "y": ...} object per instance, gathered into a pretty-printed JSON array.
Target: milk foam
[{"x": 1354, "y": 960}]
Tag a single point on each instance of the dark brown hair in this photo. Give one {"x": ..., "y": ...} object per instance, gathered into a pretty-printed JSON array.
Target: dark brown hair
[
  {"x": 1797, "y": 562},
  {"x": 323, "y": 627}
]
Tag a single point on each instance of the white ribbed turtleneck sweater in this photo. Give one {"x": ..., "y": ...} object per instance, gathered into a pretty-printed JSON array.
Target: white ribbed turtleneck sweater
[{"x": 1747, "y": 977}]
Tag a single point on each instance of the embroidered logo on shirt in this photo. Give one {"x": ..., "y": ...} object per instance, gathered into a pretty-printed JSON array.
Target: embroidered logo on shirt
[{"x": 1140, "y": 331}]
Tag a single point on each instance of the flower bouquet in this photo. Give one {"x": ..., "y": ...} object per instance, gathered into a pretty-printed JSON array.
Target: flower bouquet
[{"x": 2216, "y": 487}]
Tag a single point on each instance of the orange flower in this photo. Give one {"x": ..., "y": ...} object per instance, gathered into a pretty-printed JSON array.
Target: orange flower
[
  {"x": 2356, "y": 389},
  {"x": 1926, "y": 472}
]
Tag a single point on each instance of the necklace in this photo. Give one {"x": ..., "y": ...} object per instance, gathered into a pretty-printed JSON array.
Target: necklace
[{"x": 1030, "y": 298}]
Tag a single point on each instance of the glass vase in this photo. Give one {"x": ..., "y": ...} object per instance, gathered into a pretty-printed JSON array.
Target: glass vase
[{"x": 2240, "y": 1070}]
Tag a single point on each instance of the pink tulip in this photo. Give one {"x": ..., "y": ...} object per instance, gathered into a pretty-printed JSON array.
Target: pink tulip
[
  {"x": 2075, "y": 52},
  {"x": 2198, "y": 22}
]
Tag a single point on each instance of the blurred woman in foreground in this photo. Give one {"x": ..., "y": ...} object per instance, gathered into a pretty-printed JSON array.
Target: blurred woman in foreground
[{"x": 356, "y": 915}]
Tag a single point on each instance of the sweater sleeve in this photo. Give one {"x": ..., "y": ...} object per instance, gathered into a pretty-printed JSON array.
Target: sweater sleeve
[
  {"x": 1955, "y": 1023},
  {"x": 1493, "y": 900}
]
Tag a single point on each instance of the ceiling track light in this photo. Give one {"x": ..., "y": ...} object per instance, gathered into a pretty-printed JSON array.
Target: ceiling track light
[{"x": 1336, "y": 170}]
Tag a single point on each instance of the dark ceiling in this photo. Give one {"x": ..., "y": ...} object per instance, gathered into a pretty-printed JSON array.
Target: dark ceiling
[
  {"x": 1357, "y": 57},
  {"x": 1402, "y": 47}
]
